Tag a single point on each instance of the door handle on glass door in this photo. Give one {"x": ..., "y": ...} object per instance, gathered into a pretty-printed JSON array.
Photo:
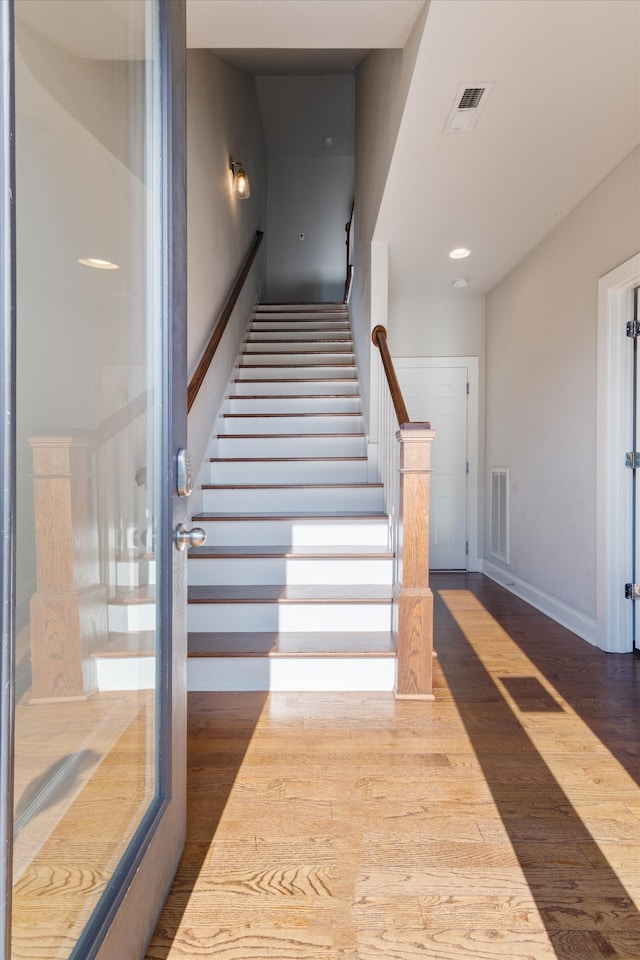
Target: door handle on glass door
[{"x": 184, "y": 538}]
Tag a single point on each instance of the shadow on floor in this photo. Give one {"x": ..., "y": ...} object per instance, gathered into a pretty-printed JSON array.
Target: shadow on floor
[
  {"x": 586, "y": 910},
  {"x": 216, "y": 747}
]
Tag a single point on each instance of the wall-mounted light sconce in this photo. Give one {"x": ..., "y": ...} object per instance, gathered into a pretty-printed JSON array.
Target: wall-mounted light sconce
[{"x": 241, "y": 189}]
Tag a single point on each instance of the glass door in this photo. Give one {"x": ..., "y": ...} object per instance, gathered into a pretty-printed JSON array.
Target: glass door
[{"x": 93, "y": 743}]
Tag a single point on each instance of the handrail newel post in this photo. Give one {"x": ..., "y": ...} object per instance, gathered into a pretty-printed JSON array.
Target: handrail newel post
[
  {"x": 413, "y": 599},
  {"x": 412, "y": 623},
  {"x": 69, "y": 608}
]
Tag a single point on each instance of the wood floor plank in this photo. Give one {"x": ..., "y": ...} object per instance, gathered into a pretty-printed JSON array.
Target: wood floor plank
[{"x": 500, "y": 822}]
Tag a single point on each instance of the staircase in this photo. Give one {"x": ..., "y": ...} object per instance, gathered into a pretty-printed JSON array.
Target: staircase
[{"x": 293, "y": 588}]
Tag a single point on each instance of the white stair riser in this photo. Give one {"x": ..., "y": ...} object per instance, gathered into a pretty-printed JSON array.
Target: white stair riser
[
  {"x": 322, "y": 674},
  {"x": 272, "y": 370},
  {"x": 289, "y": 328},
  {"x": 339, "y": 337},
  {"x": 296, "y": 532},
  {"x": 303, "y": 617},
  {"x": 272, "y": 570},
  {"x": 284, "y": 423},
  {"x": 300, "y": 359},
  {"x": 126, "y": 673},
  {"x": 346, "y": 386},
  {"x": 131, "y": 617},
  {"x": 301, "y": 317},
  {"x": 127, "y": 573},
  {"x": 312, "y": 499},
  {"x": 335, "y": 446},
  {"x": 288, "y": 404},
  {"x": 296, "y": 343},
  {"x": 134, "y": 573},
  {"x": 289, "y": 471}
]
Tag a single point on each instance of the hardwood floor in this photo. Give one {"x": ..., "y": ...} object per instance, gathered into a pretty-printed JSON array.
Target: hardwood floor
[
  {"x": 84, "y": 777},
  {"x": 500, "y": 821}
]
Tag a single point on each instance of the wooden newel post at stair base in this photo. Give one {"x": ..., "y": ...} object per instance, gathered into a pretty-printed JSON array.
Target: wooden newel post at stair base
[
  {"x": 69, "y": 609},
  {"x": 413, "y": 600}
]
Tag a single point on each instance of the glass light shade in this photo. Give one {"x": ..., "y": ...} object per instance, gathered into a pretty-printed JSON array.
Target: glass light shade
[{"x": 241, "y": 188}]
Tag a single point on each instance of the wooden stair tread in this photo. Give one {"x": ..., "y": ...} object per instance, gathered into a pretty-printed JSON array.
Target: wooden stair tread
[
  {"x": 298, "y": 515},
  {"x": 271, "y": 416},
  {"x": 285, "y": 459},
  {"x": 286, "y": 366},
  {"x": 297, "y": 340},
  {"x": 332, "y": 644},
  {"x": 349, "y": 485},
  {"x": 285, "y": 551},
  {"x": 352, "y": 379},
  {"x": 295, "y": 353},
  {"x": 141, "y": 643},
  {"x": 279, "y": 436},
  {"x": 289, "y": 396},
  {"x": 290, "y": 593},
  {"x": 126, "y": 597}
]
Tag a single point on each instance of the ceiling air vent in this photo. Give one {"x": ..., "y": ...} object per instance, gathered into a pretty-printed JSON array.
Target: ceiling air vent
[{"x": 467, "y": 106}]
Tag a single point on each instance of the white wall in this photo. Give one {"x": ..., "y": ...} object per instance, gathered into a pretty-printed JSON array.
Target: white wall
[
  {"x": 447, "y": 327},
  {"x": 437, "y": 326},
  {"x": 382, "y": 83},
  {"x": 541, "y": 388},
  {"x": 310, "y": 183},
  {"x": 222, "y": 121}
]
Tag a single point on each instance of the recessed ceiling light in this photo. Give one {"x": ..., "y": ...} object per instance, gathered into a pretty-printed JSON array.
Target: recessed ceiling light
[
  {"x": 459, "y": 282},
  {"x": 459, "y": 253},
  {"x": 98, "y": 264}
]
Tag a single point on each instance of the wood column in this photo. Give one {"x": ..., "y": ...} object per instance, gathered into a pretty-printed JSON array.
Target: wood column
[
  {"x": 413, "y": 600},
  {"x": 69, "y": 608}
]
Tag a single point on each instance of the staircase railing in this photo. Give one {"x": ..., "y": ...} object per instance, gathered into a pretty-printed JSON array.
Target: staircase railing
[
  {"x": 404, "y": 460},
  {"x": 349, "y": 271},
  {"x": 225, "y": 314}
]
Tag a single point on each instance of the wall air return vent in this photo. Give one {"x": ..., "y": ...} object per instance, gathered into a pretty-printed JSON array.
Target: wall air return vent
[
  {"x": 467, "y": 106},
  {"x": 500, "y": 513}
]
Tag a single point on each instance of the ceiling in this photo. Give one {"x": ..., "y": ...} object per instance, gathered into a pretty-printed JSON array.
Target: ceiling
[
  {"x": 564, "y": 110},
  {"x": 294, "y": 24}
]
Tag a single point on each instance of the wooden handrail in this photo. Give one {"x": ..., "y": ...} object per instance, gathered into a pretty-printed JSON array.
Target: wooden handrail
[
  {"x": 379, "y": 337},
  {"x": 201, "y": 370},
  {"x": 349, "y": 270}
]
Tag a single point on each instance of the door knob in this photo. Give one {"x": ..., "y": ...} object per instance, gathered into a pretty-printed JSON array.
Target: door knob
[{"x": 189, "y": 538}]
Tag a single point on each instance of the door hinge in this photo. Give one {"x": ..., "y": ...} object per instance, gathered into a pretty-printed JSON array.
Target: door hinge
[
  {"x": 632, "y": 460},
  {"x": 633, "y": 328},
  {"x": 466, "y": 547},
  {"x": 467, "y": 387},
  {"x": 632, "y": 591},
  {"x": 467, "y": 466}
]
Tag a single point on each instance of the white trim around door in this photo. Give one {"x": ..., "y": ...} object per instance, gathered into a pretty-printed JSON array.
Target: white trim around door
[{"x": 613, "y": 480}]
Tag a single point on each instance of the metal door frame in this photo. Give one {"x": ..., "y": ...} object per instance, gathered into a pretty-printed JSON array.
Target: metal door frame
[
  {"x": 160, "y": 835},
  {"x": 7, "y": 466}
]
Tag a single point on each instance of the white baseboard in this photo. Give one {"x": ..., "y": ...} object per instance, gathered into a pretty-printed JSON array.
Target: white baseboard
[
  {"x": 578, "y": 623},
  {"x": 322, "y": 674}
]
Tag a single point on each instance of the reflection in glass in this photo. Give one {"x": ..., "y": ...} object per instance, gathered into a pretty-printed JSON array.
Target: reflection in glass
[{"x": 88, "y": 353}]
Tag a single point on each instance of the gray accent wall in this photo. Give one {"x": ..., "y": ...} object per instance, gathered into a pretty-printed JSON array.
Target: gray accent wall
[{"x": 309, "y": 124}]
